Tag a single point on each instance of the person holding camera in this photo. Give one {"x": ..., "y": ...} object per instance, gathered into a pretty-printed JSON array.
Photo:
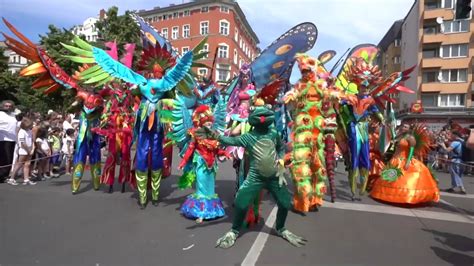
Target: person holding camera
[{"x": 455, "y": 151}]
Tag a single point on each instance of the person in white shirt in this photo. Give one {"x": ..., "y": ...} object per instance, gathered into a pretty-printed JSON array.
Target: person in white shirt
[
  {"x": 43, "y": 152},
  {"x": 25, "y": 151},
  {"x": 67, "y": 123},
  {"x": 68, "y": 149},
  {"x": 8, "y": 129}
]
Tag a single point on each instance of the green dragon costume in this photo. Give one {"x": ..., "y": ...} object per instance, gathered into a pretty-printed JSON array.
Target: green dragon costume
[{"x": 264, "y": 147}]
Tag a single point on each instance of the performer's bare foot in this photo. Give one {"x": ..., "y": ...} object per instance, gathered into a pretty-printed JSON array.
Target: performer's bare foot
[{"x": 199, "y": 220}]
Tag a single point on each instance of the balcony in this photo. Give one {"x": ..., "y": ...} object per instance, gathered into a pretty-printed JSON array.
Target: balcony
[
  {"x": 441, "y": 111},
  {"x": 446, "y": 14},
  {"x": 433, "y": 38},
  {"x": 446, "y": 63},
  {"x": 461, "y": 87}
]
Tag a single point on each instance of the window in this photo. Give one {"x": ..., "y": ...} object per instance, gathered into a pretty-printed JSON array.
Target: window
[
  {"x": 454, "y": 75},
  {"x": 241, "y": 62},
  {"x": 224, "y": 27},
  {"x": 432, "y": 4},
  {"x": 224, "y": 9},
  {"x": 223, "y": 72},
  {"x": 396, "y": 59},
  {"x": 236, "y": 35},
  {"x": 204, "y": 27},
  {"x": 429, "y": 99},
  {"x": 454, "y": 26},
  {"x": 397, "y": 42},
  {"x": 186, "y": 13},
  {"x": 454, "y": 50},
  {"x": 186, "y": 31},
  {"x": 447, "y": 3},
  {"x": 241, "y": 43},
  {"x": 174, "y": 33},
  {"x": 430, "y": 76},
  {"x": 205, "y": 48},
  {"x": 223, "y": 51},
  {"x": 175, "y": 15},
  {"x": 430, "y": 29},
  {"x": 451, "y": 100},
  {"x": 430, "y": 52},
  {"x": 204, "y": 9},
  {"x": 184, "y": 50},
  {"x": 202, "y": 72},
  {"x": 164, "y": 32},
  {"x": 236, "y": 56}
]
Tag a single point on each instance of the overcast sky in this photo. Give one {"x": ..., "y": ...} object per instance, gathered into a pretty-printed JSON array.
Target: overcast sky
[{"x": 341, "y": 23}]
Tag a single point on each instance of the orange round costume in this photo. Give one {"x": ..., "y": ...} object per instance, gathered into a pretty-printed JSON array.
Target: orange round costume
[
  {"x": 376, "y": 160},
  {"x": 415, "y": 185}
]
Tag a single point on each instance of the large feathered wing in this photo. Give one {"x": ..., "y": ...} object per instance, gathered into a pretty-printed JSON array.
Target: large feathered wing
[
  {"x": 220, "y": 114},
  {"x": 104, "y": 68},
  {"x": 181, "y": 122},
  {"x": 52, "y": 77}
]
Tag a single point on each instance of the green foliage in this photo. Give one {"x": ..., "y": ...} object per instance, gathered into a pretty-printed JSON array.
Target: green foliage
[
  {"x": 17, "y": 88},
  {"x": 3, "y": 60},
  {"x": 121, "y": 29},
  {"x": 8, "y": 85}
]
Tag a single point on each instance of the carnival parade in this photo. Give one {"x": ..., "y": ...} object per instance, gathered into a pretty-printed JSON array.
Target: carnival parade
[{"x": 330, "y": 139}]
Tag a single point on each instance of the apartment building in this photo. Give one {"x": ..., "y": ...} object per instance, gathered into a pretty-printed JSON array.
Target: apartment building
[
  {"x": 222, "y": 21},
  {"x": 390, "y": 52},
  {"x": 442, "y": 49}
]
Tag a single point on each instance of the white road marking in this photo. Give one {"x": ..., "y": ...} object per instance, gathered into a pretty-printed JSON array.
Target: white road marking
[
  {"x": 456, "y": 209},
  {"x": 454, "y": 195},
  {"x": 262, "y": 237},
  {"x": 443, "y": 216},
  {"x": 257, "y": 247}
]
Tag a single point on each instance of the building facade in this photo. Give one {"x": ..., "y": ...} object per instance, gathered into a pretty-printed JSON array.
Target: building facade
[
  {"x": 15, "y": 61},
  {"x": 88, "y": 28},
  {"x": 443, "y": 51},
  {"x": 390, "y": 53},
  {"x": 223, "y": 22}
]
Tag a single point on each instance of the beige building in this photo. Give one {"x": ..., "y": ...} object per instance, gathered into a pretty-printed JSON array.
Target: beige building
[
  {"x": 390, "y": 52},
  {"x": 443, "y": 50}
]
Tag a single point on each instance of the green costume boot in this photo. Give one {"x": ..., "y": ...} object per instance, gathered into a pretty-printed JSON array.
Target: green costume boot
[
  {"x": 76, "y": 177},
  {"x": 95, "y": 175},
  {"x": 142, "y": 178},
  {"x": 155, "y": 186}
]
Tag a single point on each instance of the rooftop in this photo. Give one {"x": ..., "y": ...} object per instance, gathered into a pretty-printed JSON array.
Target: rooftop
[
  {"x": 393, "y": 33},
  {"x": 173, "y": 7}
]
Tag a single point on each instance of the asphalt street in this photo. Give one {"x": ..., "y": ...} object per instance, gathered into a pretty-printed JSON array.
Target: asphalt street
[{"x": 46, "y": 225}]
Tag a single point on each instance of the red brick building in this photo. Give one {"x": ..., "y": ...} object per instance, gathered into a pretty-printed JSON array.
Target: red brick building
[{"x": 223, "y": 21}]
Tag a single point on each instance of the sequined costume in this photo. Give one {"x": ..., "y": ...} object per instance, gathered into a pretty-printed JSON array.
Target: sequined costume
[
  {"x": 204, "y": 203},
  {"x": 116, "y": 126},
  {"x": 407, "y": 179}
]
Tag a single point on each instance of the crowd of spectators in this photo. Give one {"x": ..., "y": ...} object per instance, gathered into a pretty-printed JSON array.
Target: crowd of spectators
[{"x": 33, "y": 145}]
